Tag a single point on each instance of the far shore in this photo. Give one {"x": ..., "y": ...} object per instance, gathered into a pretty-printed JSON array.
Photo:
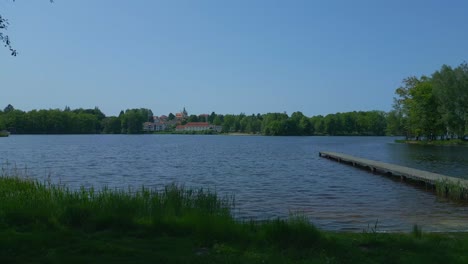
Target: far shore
[
  {"x": 451, "y": 142},
  {"x": 241, "y": 134}
]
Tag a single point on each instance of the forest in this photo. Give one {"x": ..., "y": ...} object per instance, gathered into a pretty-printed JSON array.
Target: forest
[
  {"x": 432, "y": 107},
  {"x": 93, "y": 121},
  {"x": 77, "y": 121}
]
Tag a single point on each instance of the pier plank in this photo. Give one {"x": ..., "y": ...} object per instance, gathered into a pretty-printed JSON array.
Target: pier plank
[{"x": 397, "y": 170}]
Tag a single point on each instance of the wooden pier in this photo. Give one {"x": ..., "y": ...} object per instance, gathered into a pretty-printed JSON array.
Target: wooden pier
[{"x": 396, "y": 170}]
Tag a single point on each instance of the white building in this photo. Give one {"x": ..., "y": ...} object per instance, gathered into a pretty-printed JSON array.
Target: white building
[
  {"x": 151, "y": 127},
  {"x": 198, "y": 126}
]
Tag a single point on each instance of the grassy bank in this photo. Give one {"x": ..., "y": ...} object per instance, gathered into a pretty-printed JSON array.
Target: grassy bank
[
  {"x": 43, "y": 223},
  {"x": 452, "y": 142}
]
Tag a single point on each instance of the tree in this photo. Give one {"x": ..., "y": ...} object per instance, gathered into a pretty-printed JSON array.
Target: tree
[
  {"x": 4, "y": 38},
  {"x": 274, "y": 124},
  {"x": 423, "y": 112},
  {"x": 298, "y": 125},
  {"x": 451, "y": 92},
  {"x": 229, "y": 123},
  {"x": 150, "y": 116},
  {"x": 171, "y": 116},
  {"x": 212, "y": 117},
  {"x": 305, "y": 126},
  {"x": 377, "y": 121},
  {"x": 402, "y": 103},
  {"x": 133, "y": 119},
  {"x": 193, "y": 118},
  {"x": 318, "y": 125},
  {"x": 111, "y": 125},
  {"x": 14, "y": 120},
  {"x": 217, "y": 121},
  {"x": 331, "y": 124},
  {"x": 419, "y": 106},
  {"x": 8, "y": 109},
  {"x": 85, "y": 123},
  {"x": 394, "y": 124}
]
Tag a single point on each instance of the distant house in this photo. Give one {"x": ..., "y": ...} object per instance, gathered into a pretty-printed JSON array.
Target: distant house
[
  {"x": 198, "y": 126},
  {"x": 152, "y": 127}
]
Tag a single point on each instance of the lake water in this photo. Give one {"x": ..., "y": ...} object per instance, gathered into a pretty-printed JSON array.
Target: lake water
[{"x": 269, "y": 176}]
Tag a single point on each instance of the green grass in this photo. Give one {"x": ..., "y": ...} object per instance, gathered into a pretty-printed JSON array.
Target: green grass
[{"x": 45, "y": 223}]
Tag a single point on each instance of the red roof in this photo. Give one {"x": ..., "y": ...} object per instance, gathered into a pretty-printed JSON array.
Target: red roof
[{"x": 197, "y": 124}]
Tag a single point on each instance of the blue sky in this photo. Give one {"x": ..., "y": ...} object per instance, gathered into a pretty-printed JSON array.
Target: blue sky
[{"x": 248, "y": 56}]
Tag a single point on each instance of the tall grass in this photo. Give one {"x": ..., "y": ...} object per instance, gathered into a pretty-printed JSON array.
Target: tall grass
[
  {"x": 453, "y": 190},
  {"x": 27, "y": 202},
  {"x": 31, "y": 205}
]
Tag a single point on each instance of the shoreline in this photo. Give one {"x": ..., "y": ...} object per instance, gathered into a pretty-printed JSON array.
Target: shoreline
[
  {"x": 451, "y": 142},
  {"x": 240, "y": 134}
]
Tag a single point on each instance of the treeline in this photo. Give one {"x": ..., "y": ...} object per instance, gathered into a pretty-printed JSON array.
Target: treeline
[
  {"x": 372, "y": 123},
  {"x": 432, "y": 107},
  {"x": 93, "y": 121},
  {"x": 67, "y": 121}
]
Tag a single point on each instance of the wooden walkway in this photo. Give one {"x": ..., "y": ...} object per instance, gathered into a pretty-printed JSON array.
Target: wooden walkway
[{"x": 395, "y": 170}]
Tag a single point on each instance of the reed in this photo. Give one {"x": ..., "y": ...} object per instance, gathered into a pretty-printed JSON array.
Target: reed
[
  {"x": 453, "y": 190},
  {"x": 32, "y": 205}
]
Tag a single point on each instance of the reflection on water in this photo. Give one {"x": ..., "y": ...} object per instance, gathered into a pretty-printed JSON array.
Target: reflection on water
[{"x": 269, "y": 176}]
